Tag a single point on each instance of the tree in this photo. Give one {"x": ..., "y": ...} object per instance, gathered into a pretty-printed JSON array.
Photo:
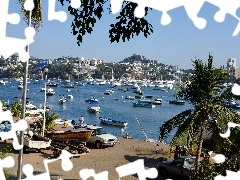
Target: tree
[
  {"x": 126, "y": 27},
  {"x": 36, "y": 16},
  {"x": 208, "y": 116},
  {"x": 49, "y": 123},
  {"x": 16, "y": 109}
]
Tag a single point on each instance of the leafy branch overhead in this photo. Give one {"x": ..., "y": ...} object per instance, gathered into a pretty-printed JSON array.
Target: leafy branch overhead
[{"x": 126, "y": 27}]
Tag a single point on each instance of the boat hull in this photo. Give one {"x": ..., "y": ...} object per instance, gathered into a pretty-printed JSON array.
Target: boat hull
[
  {"x": 113, "y": 122},
  {"x": 177, "y": 102},
  {"x": 80, "y": 135}
]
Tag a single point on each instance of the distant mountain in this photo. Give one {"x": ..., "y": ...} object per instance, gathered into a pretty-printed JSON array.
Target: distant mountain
[{"x": 137, "y": 57}]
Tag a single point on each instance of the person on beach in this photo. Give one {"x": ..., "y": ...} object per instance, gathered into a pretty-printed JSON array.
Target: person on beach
[
  {"x": 81, "y": 120},
  {"x": 176, "y": 152}
]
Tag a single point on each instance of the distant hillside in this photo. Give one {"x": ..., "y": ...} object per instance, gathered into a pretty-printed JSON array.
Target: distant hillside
[{"x": 143, "y": 59}]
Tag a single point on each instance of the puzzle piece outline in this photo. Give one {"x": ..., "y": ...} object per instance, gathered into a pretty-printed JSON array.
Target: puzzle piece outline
[{"x": 192, "y": 9}]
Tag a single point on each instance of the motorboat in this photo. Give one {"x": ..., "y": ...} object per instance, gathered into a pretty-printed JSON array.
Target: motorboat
[
  {"x": 68, "y": 85},
  {"x": 109, "y": 92},
  {"x": 231, "y": 104},
  {"x": 143, "y": 104},
  {"x": 130, "y": 97},
  {"x": 20, "y": 85},
  {"x": 50, "y": 92},
  {"x": 62, "y": 100},
  {"x": 69, "y": 96},
  {"x": 95, "y": 108},
  {"x": 113, "y": 122},
  {"x": 92, "y": 99},
  {"x": 157, "y": 101},
  {"x": 177, "y": 101},
  {"x": 42, "y": 90},
  {"x": 51, "y": 84}
]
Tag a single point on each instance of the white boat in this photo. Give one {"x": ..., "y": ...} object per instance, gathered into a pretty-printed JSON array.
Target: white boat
[
  {"x": 130, "y": 97},
  {"x": 92, "y": 99},
  {"x": 32, "y": 110},
  {"x": 157, "y": 101},
  {"x": 143, "y": 104},
  {"x": 113, "y": 122},
  {"x": 2, "y": 82},
  {"x": 42, "y": 90},
  {"x": 95, "y": 108},
  {"x": 20, "y": 85},
  {"x": 109, "y": 92},
  {"x": 63, "y": 121},
  {"x": 50, "y": 92},
  {"x": 69, "y": 96},
  {"x": 62, "y": 100}
]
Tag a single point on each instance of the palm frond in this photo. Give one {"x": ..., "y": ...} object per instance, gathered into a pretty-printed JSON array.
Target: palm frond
[{"x": 168, "y": 126}]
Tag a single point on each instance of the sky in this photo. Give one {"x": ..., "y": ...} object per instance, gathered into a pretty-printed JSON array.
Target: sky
[{"x": 173, "y": 44}]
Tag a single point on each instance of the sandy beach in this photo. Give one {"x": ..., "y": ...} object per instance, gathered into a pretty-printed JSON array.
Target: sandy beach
[{"x": 124, "y": 152}]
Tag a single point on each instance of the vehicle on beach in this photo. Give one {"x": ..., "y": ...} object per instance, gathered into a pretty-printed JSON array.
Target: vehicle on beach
[
  {"x": 99, "y": 137},
  {"x": 180, "y": 167}
]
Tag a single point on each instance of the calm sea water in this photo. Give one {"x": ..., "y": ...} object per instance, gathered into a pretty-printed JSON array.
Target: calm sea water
[{"x": 122, "y": 109}]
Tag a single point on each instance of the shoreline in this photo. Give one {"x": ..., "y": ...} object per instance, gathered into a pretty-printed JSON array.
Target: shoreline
[{"x": 107, "y": 159}]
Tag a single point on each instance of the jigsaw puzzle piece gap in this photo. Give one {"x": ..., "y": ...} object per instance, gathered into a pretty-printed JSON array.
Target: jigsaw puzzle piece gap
[
  {"x": 7, "y": 162},
  {"x": 54, "y": 15},
  {"x": 29, "y": 5},
  {"x": 20, "y": 125},
  {"x": 116, "y": 5},
  {"x": 166, "y": 19},
  {"x": 139, "y": 11},
  {"x": 29, "y": 172},
  {"x": 192, "y": 9},
  {"x": 66, "y": 164},
  {"x": 5, "y": 18},
  {"x": 75, "y": 4},
  {"x": 236, "y": 88},
  {"x": 87, "y": 173},
  {"x": 137, "y": 167},
  {"x": 230, "y": 125},
  {"x": 237, "y": 30}
]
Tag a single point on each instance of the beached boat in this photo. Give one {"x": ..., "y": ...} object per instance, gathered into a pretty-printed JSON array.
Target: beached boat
[
  {"x": 113, "y": 122},
  {"x": 157, "y": 101},
  {"x": 63, "y": 135},
  {"x": 143, "y": 104}
]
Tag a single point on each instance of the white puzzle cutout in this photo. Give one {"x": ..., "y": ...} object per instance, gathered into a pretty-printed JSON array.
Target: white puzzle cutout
[
  {"x": 21, "y": 125},
  {"x": 192, "y": 9},
  {"x": 66, "y": 164}
]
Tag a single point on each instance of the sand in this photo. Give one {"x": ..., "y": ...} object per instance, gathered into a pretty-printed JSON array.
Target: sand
[{"x": 125, "y": 151}]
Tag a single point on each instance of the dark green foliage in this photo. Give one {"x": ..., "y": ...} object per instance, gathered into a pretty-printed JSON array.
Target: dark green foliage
[
  {"x": 207, "y": 117},
  {"x": 126, "y": 27},
  {"x": 3, "y": 154}
]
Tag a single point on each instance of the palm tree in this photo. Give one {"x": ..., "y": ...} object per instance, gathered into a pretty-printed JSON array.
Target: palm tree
[
  {"x": 49, "y": 123},
  {"x": 16, "y": 109},
  {"x": 208, "y": 116}
]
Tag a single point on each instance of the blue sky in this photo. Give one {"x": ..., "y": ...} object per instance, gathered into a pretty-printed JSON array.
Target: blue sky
[{"x": 174, "y": 44}]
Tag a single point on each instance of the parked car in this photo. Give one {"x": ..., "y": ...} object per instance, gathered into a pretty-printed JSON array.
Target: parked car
[
  {"x": 99, "y": 137},
  {"x": 180, "y": 167}
]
